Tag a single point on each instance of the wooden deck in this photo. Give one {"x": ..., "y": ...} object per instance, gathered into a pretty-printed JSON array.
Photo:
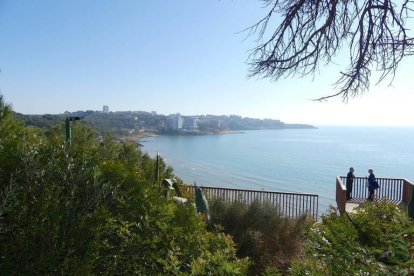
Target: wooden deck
[
  {"x": 352, "y": 204},
  {"x": 393, "y": 190}
]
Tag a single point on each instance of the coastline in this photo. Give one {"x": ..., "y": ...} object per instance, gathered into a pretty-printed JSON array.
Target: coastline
[
  {"x": 201, "y": 133},
  {"x": 136, "y": 137},
  {"x": 229, "y": 132}
]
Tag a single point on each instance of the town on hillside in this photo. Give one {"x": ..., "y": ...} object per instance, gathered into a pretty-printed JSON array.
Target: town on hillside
[{"x": 142, "y": 122}]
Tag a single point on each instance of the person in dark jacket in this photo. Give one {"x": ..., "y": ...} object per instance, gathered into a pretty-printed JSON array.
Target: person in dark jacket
[
  {"x": 371, "y": 184},
  {"x": 349, "y": 181}
]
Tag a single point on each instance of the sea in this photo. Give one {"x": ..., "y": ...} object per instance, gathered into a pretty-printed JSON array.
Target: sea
[{"x": 288, "y": 160}]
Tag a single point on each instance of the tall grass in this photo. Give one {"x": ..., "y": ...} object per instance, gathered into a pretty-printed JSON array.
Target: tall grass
[{"x": 260, "y": 233}]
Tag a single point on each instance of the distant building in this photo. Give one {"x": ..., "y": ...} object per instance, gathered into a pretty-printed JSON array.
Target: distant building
[
  {"x": 190, "y": 123},
  {"x": 217, "y": 124},
  {"x": 175, "y": 122},
  {"x": 105, "y": 109},
  {"x": 211, "y": 122}
]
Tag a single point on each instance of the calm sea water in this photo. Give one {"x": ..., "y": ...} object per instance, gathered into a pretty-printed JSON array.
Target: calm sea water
[{"x": 302, "y": 160}]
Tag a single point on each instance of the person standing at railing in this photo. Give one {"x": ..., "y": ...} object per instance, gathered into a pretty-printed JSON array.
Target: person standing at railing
[
  {"x": 372, "y": 184},
  {"x": 349, "y": 183}
]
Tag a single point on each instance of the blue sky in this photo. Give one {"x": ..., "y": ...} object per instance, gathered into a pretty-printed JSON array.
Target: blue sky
[{"x": 167, "y": 56}]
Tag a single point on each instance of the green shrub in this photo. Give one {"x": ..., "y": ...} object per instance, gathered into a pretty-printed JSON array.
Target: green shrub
[
  {"x": 93, "y": 208},
  {"x": 363, "y": 243},
  {"x": 260, "y": 233}
]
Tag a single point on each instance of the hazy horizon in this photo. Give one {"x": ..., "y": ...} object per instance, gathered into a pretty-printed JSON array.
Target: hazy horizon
[{"x": 185, "y": 56}]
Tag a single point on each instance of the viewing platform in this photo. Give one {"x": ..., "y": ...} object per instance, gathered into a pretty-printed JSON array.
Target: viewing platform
[
  {"x": 293, "y": 205},
  {"x": 394, "y": 190}
]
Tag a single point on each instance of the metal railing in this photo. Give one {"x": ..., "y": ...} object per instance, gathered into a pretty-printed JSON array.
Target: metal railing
[
  {"x": 290, "y": 205},
  {"x": 395, "y": 190}
]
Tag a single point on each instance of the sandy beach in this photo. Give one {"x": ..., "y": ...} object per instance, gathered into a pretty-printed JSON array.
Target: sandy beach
[{"x": 138, "y": 135}]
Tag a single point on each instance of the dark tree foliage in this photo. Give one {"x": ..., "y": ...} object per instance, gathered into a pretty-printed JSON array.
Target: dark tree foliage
[
  {"x": 376, "y": 240},
  {"x": 260, "y": 233},
  {"x": 311, "y": 33},
  {"x": 93, "y": 208}
]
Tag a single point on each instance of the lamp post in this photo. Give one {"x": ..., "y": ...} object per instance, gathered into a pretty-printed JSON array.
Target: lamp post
[
  {"x": 158, "y": 166},
  {"x": 68, "y": 127}
]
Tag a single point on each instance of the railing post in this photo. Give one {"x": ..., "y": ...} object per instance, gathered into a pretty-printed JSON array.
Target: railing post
[
  {"x": 340, "y": 195},
  {"x": 407, "y": 190}
]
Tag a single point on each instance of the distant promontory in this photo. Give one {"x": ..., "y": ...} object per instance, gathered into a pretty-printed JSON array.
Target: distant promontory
[{"x": 141, "y": 123}]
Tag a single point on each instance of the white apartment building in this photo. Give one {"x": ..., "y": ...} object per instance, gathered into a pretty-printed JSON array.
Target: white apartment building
[
  {"x": 175, "y": 122},
  {"x": 105, "y": 109}
]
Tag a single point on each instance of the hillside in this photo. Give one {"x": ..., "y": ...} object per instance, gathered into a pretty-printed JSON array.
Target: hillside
[{"x": 130, "y": 122}]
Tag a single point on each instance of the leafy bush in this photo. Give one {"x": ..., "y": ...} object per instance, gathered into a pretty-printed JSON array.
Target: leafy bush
[
  {"x": 260, "y": 233},
  {"x": 92, "y": 208},
  {"x": 363, "y": 243}
]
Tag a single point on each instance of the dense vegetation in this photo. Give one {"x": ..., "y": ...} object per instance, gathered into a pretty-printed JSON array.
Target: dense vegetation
[
  {"x": 376, "y": 240},
  {"x": 261, "y": 234},
  {"x": 118, "y": 123},
  {"x": 92, "y": 208}
]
